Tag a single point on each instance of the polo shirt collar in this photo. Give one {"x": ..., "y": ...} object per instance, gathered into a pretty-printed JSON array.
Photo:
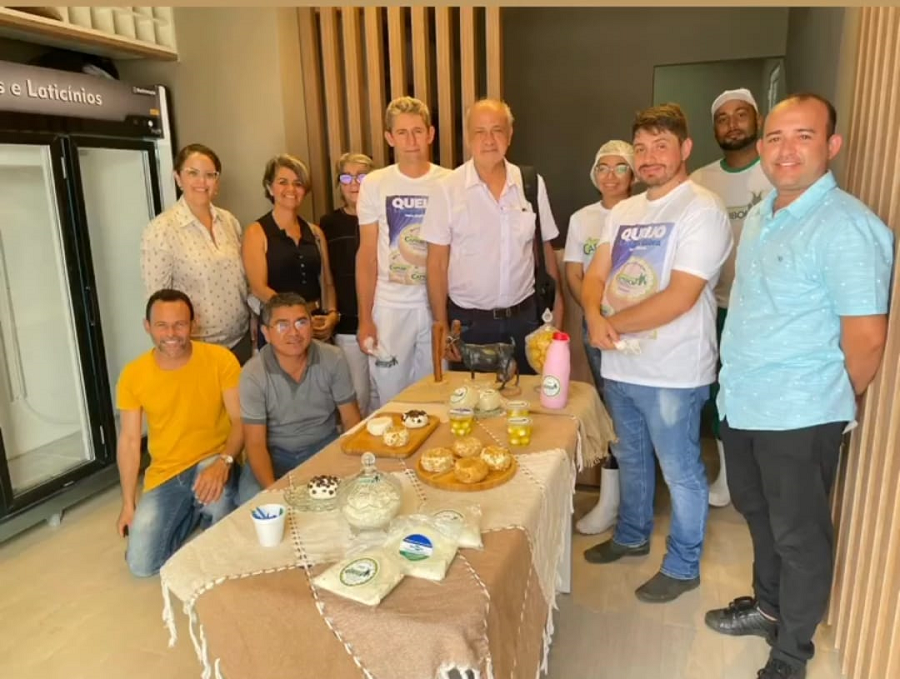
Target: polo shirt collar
[
  {"x": 185, "y": 217},
  {"x": 272, "y": 366},
  {"x": 513, "y": 175},
  {"x": 807, "y": 200}
]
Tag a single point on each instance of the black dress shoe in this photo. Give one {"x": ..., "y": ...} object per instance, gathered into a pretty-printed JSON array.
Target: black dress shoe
[
  {"x": 742, "y": 617},
  {"x": 609, "y": 551},
  {"x": 778, "y": 669}
]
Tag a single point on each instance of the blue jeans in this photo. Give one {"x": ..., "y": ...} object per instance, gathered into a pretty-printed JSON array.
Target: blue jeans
[
  {"x": 167, "y": 515},
  {"x": 593, "y": 356},
  {"x": 667, "y": 421},
  {"x": 283, "y": 461}
]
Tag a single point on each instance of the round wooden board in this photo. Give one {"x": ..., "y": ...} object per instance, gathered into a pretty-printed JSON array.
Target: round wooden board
[{"x": 447, "y": 481}]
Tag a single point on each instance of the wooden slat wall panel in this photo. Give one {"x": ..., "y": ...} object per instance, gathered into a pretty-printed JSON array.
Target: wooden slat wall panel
[
  {"x": 467, "y": 59},
  {"x": 375, "y": 84},
  {"x": 315, "y": 118},
  {"x": 421, "y": 50},
  {"x": 353, "y": 69},
  {"x": 349, "y": 73},
  {"x": 397, "y": 51},
  {"x": 865, "y": 602},
  {"x": 446, "y": 86}
]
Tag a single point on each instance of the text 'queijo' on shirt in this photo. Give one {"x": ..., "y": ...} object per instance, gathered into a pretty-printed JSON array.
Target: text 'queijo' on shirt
[{"x": 799, "y": 270}]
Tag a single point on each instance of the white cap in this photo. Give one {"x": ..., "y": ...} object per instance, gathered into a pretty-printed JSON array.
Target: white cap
[
  {"x": 742, "y": 94},
  {"x": 614, "y": 147}
]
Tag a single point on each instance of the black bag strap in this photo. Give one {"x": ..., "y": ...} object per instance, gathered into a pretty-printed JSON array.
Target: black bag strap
[{"x": 530, "y": 186}]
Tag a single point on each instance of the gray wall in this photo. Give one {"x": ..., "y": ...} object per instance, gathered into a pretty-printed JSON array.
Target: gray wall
[{"x": 574, "y": 77}]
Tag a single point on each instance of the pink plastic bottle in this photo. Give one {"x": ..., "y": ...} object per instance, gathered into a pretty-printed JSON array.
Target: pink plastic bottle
[{"x": 555, "y": 378}]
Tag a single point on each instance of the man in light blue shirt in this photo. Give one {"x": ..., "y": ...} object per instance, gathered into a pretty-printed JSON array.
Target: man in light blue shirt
[{"x": 804, "y": 337}]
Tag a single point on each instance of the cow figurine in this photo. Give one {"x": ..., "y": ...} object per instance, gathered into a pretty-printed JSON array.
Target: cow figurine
[{"x": 497, "y": 357}]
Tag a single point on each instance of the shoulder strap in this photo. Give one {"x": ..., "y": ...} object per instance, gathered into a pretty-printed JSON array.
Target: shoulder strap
[{"x": 530, "y": 186}]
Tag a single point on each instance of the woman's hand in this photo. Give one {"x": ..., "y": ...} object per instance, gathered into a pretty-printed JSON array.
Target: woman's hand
[{"x": 323, "y": 325}]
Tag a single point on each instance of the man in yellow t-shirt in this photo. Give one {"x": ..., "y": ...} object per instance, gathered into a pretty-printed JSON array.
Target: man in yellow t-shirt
[{"x": 189, "y": 392}]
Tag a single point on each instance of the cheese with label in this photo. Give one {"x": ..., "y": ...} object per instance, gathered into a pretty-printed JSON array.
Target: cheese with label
[{"x": 366, "y": 578}]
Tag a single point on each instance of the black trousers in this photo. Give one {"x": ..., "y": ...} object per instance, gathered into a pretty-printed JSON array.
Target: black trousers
[
  {"x": 478, "y": 328},
  {"x": 780, "y": 481}
]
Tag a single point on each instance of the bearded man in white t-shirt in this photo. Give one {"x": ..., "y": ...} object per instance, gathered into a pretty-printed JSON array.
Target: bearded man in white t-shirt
[
  {"x": 649, "y": 302},
  {"x": 738, "y": 179},
  {"x": 394, "y": 316}
]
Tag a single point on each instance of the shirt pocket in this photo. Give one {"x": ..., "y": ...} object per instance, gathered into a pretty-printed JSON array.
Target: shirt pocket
[{"x": 522, "y": 228}]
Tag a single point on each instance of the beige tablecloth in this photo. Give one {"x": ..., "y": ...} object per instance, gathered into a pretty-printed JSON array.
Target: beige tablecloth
[{"x": 255, "y": 613}]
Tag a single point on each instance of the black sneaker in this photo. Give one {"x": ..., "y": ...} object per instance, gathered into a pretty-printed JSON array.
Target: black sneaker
[
  {"x": 742, "y": 617},
  {"x": 661, "y": 588},
  {"x": 778, "y": 669},
  {"x": 609, "y": 551}
]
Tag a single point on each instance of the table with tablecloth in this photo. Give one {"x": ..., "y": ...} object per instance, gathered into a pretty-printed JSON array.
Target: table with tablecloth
[{"x": 254, "y": 611}]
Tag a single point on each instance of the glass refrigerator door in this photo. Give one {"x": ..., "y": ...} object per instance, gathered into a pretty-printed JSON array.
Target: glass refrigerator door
[
  {"x": 119, "y": 186},
  {"x": 44, "y": 417}
]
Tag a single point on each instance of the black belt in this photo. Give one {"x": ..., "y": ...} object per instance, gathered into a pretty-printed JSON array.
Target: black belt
[{"x": 499, "y": 314}]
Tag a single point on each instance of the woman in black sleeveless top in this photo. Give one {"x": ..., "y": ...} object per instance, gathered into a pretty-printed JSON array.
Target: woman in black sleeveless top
[{"x": 284, "y": 253}]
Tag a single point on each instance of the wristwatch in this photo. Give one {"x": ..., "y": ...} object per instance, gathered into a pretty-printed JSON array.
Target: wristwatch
[{"x": 227, "y": 458}]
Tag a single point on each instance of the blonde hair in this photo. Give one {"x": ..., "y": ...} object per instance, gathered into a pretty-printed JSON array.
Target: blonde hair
[
  {"x": 406, "y": 105},
  {"x": 497, "y": 104},
  {"x": 292, "y": 163},
  {"x": 352, "y": 158}
]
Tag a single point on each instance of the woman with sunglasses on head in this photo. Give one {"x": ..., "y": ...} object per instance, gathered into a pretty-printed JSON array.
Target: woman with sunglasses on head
[
  {"x": 612, "y": 174},
  {"x": 195, "y": 247},
  {"x": 284, "y": 253},
  {"x": 342, "y": 229}
]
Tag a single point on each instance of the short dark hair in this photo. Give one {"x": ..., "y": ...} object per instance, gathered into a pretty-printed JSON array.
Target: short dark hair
[
  {"x": 807, "y": 96},
  {"x": 665, "y": 117},
  {"x": 279, "y": 300},
  {"x": 168, "y": 295},
  {"x": 191, "y": 149},
  {"x": 292, "y": 163}
]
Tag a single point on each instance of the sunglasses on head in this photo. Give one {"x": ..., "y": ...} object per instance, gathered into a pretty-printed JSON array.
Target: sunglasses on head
[{"x": 347, "y": 179}]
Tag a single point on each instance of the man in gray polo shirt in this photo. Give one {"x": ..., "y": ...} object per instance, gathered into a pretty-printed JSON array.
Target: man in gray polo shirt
[{"x": 289, "y": 394}]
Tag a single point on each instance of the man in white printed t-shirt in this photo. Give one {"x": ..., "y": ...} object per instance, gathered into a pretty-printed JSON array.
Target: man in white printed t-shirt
[
  {"x": 648, "y": 297},
  {"x": 737, "y": 179},
  {"x": 394, "y": 318}
]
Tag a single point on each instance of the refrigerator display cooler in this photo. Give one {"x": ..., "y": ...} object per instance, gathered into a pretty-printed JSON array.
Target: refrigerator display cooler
[{"x": 85, "y": 164}]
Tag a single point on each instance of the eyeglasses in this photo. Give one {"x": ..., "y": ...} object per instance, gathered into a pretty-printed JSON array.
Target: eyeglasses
[
  {"x": 283, "y": 326},
  {"x": 621, "y": 169},
  {"x": 195, "y": 174},
  {"x": 347, "y": 179}
]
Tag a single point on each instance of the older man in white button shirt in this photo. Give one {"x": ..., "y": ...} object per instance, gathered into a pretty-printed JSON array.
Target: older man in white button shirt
[{"x": 480, "y": 230}]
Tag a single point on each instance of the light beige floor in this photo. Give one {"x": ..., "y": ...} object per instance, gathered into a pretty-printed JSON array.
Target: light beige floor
[{"x": 70, "y": 610}]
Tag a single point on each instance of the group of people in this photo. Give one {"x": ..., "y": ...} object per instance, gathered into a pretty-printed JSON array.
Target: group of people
[{"x": 343, "y": 314}]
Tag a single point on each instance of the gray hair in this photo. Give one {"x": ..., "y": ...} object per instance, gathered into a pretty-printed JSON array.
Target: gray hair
[
  {"x": 279, "y": 300},
  {"x": 498, "y": 104},
  {"x": 292, "y": 163}
]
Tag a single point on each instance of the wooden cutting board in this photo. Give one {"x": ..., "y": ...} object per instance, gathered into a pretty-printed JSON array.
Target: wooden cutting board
[
  {"x": 447, "y": 481},
  {"x": 363, "y": 442}
]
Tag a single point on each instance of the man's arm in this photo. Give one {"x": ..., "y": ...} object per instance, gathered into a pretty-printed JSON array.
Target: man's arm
[
  {"x": 601, "y": 333},
  {"x": 437, "y": 265},
  {"x": 559, "y": 304},
  {"x": 574, "y": 277},
  {"x": 349, "y": 413},
  {"x": 128, "y": 458},
  {"x": 366, "y": 275},
  {"x": 677, "y": 299},
  {"x": 258, "y": 454},
  {"x": 212, "y": 479},
  {"x": 862, "y": 341}
]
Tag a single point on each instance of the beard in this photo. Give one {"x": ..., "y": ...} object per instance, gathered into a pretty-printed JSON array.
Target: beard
[{"x": 737, "y": 143}]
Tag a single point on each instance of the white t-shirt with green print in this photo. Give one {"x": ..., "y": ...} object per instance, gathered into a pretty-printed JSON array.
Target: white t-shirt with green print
[{"x": 585, "y": 228}]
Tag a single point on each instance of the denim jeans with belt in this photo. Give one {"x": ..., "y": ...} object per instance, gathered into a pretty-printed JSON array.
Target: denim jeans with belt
[
  {"x": 283, "y": 461},
  {"x": 668, "y": 421},
  {"x": 167, "y": 515}
]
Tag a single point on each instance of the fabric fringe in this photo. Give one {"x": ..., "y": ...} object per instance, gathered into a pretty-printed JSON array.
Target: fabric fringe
[
  {"x": 168, "y": 615},
  {"x": 448, "y": 671}
]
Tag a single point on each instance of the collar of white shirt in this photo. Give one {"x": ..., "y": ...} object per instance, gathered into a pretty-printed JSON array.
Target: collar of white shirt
[
  {"x": 513, "y": 176},
  {"x": 185, "y": 217}
]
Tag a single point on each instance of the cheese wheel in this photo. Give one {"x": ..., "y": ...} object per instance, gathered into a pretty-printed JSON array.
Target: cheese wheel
[
  {"x": 396, "y": 436},
  {"x": 414, "y": 419},
  {"x": 464, "y": 397},
  {"x": 496, "y": 458},
  {"x": 378, "y": 425},
  {"x": 438, "y": 460},
  {"x": 467, "y": 447},
  {"x": 470, "y": 470}
]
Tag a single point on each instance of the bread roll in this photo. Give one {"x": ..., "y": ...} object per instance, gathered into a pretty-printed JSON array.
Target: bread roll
[
  {"x": 468, "y": 446},
  {"x": 437, "y": 460},
  {"x": 396, "y": 436},
  {"x": 496, "y": 458},
  {"x": 470, "y": 470}
]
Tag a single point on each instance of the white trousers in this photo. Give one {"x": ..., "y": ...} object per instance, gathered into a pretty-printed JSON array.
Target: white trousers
[
  {"x": 363, "y": 384},
  {"x": 405, "y": 334}
]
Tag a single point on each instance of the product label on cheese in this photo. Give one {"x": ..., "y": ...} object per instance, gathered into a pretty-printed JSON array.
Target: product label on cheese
[{"x": 416, "y": 547}]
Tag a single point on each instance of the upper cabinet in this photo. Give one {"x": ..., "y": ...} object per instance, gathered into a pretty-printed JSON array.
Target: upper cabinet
[{"x": 115, "y": 32}]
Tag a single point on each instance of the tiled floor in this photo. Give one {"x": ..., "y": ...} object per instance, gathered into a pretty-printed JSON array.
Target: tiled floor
[{"x": 70, "y": 610}]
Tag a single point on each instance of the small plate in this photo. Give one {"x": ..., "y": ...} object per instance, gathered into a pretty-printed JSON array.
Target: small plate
[{"x": 298, "y": 498}]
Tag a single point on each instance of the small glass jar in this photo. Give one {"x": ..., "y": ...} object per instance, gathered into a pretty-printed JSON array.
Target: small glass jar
[
  {"x": 517, "y": 409},
  {"x": 461, "y": 421},
  {"x": 370, "y": 499},
  {"x": 518, "y": 430}
]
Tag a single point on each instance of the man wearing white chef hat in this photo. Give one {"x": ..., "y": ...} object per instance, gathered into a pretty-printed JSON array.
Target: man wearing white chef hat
[{"x": 737, "y": 178}]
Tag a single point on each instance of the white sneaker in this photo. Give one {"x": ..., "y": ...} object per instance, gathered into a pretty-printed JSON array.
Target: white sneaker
[
  {"x": 603, "y": 516},
  {"x": 718, "y": 489}
]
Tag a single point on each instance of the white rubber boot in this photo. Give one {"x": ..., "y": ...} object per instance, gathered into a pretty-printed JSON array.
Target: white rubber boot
[
  {"x": 603, "y": 516},
  {"x": 718, "y": 490}
]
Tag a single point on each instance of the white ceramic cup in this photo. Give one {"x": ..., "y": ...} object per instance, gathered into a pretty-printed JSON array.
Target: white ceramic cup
[{"x": 269, "y": 521}]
